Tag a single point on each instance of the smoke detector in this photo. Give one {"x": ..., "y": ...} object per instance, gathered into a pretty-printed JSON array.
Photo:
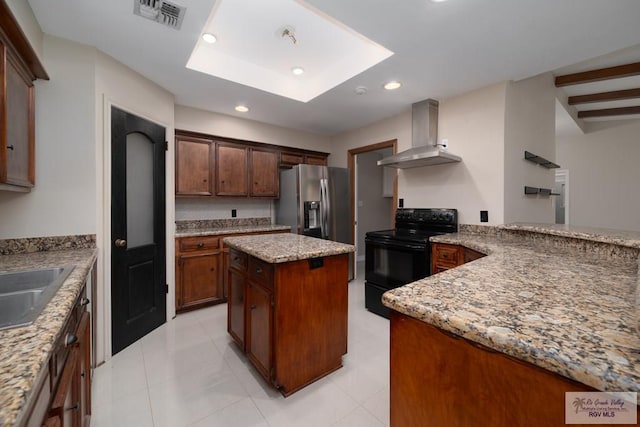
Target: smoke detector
[{"x": 161, "y": 11}]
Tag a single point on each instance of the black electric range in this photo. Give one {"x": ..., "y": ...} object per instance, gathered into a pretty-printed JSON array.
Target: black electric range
[{"x": 402, "y": 255}]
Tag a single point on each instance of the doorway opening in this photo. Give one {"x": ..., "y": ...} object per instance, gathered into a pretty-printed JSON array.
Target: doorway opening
[
  {"x": 561, "y": 200},
  {"x": 373, "y": 191}
]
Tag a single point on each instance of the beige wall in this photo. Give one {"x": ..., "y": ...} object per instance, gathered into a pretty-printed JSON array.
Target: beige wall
[
  {"x": 603, "y": 176},
  {"x": 63, "y": 201},
  {"x": 529, "y": 125},
  {"x": 196, "y": 120},
  {"x": 28, "y": 23},
  {"x": 474, "y": 125}
]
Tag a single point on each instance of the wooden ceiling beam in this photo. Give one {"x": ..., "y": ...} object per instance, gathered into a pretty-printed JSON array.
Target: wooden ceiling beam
[
  {"x": 608, "y": 112},
  {"x": 616, "y": 95},
  {"x": 617, "y": 72}
]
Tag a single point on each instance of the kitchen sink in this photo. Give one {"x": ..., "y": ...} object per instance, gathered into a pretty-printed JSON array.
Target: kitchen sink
[{"x": 23, "y": 294}]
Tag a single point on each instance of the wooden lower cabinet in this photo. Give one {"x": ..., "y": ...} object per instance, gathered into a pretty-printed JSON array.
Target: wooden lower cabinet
[
  {"x": 198, "y": 273},
  {"x": 260, "y": 328},
  {"x": 445, "y": 256},
  {"x": 294, "y": 314},
  {"x": 440, "y": 379},
  {"x": 63, "y": 397}
]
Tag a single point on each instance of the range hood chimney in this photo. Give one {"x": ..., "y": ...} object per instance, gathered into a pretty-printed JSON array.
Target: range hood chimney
[{"x": 424, "y": 149}]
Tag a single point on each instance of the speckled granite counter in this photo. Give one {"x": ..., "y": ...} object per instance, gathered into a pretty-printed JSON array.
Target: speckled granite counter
[
  {"x": 25, "y": 350},
  {"x": 562, "y": 306},
  {"x": 214, "y": 231},
  {"x": 278, "y": 248}
]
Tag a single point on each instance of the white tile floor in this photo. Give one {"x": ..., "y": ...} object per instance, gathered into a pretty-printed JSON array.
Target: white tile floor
[{"x": 189, "y": 373}]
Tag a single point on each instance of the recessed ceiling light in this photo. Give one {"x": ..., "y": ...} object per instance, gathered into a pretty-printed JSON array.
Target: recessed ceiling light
[
  {"x": 298, "y": 71},
  {"x": 392, "y": 85},
  {"x": 242, "y": 108},
  {"x": 438, "y": 1},
  {"x": 209, "y": 38}
]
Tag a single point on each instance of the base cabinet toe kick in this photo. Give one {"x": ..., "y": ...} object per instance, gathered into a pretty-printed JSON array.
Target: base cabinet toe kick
[{"x": 290, "y": 319}]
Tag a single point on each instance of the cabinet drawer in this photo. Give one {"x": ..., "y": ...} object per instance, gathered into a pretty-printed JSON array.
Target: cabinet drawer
[
  {"x": 446, "y": 255},
  {"x": 261, "y": 272},
  {"x": 187, "y": 244},
  {"x": 237, "y": 259}
]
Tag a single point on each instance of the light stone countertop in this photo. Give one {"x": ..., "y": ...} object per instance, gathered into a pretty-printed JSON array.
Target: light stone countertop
[
  {"x": 557, "y": 304},
  {"x": 25, "y": 350},
  {"x": 278, "y": 248},
  {"x": 629, "y": 239},
  {"x": 215, "y": 231}
]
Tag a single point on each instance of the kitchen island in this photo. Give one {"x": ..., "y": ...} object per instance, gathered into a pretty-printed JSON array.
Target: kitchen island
[
  {"x": 288, "y": 304},
  {"x": 499, "y": 340}
]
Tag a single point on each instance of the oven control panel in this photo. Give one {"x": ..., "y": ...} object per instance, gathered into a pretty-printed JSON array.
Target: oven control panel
[{"x": 427, "y": 219}]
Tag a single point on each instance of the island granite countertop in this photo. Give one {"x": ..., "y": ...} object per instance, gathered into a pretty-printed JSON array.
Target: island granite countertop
[
  {"x": 555, "y": 303},
  {"x": 26, "y": 349},
  {"x": 279, "y": 248},
  {"x": 238, "y": 229}
]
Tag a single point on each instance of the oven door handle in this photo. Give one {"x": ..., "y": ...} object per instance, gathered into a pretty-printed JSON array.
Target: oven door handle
[{"x": 394, "y": 245}]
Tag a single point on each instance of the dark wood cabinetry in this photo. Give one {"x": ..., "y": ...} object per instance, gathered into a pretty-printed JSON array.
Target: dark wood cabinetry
[
  {"x": 293, "y": 322},
  {"x": 446, "y": 256},
  {"x": 195, "y": 167},
  {"x": 224, "y": 167},
  {"x": 232, "y": 170},
  {"x": 198, "y": 275},
  {"x": 63, "y": 397},
  {"x": 19, "y": 67},
  {"x": 432, "y": 370},
  {"x": 265, "y": 174},
  {"x": 201, "y": 271}
]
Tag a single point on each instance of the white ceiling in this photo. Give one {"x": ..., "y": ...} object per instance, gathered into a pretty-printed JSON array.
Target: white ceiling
[{"x": 440, "y": 50}]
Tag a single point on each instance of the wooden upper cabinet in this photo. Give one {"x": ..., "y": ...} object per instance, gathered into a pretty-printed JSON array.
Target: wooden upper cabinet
[
  {"x": 19, "y": 67},
  {"x": 265, "y": 176},
  {"x": 311, "y": 159},
  {"x": 195, "y": 167},
  {"x": 232, "y": 171}
]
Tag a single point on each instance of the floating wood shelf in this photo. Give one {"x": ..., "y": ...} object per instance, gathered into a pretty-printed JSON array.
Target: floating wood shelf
[
  {"x": 541, "y": 191},
  {"x": 540, "y": 160}
]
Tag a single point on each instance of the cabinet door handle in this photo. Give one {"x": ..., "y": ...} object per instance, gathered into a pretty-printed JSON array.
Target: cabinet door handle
[
  {"x": 74, "y": 407},
  {"x": 253, "y": 307},
  {"x": 70, "y": 340},
  {"x": 84, "y": 301},
  {"x": 258, "y": 270},
  {"x": 445, "y": 255},
  {"x": 201, "y": 245},
  {"x": 10, "y": 147}
]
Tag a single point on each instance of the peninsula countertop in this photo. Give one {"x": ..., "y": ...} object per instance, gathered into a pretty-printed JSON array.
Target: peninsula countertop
[
  {"x": 556, "y": 305},
  {"x": 25, "y": 350},
  {"x": 279, "y": 248}
]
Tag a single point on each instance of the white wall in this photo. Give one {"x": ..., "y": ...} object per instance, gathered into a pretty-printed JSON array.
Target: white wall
[
  {"x": 196, "y": 120},
  {"x": 119, "y": 85},
  {"x": 63, "y": 201},
  {"x": 603, "y": 176},
  {"x": 474, "y": 125},
  {"x": 28, "y": 23},
  {"x": 529, "y": 125},
  {"x": 220, "y": 208}
]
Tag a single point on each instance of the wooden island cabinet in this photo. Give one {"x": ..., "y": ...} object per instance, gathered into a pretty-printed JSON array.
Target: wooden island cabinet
[
  {"x": 288, "y": 309},
  {"x": 445, "y": 256},
  {"x": 201, "y": 266}
]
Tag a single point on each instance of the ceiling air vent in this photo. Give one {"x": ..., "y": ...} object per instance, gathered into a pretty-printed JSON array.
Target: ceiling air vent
[{"x": 161, "y": 11}]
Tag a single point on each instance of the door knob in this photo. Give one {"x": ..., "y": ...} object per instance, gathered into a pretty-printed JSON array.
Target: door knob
[{"x": 121, "y": 243}]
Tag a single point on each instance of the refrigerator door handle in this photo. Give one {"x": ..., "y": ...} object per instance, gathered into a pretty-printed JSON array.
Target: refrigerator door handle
[{"x": 324, "y": 209}]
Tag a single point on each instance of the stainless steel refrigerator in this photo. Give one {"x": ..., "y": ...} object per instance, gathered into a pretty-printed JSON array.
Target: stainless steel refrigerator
[{"x": 315, "y": 201}]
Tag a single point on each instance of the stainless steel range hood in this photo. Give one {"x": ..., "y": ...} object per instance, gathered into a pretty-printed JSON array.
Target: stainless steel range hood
[{"x": 424, "y": 140}]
